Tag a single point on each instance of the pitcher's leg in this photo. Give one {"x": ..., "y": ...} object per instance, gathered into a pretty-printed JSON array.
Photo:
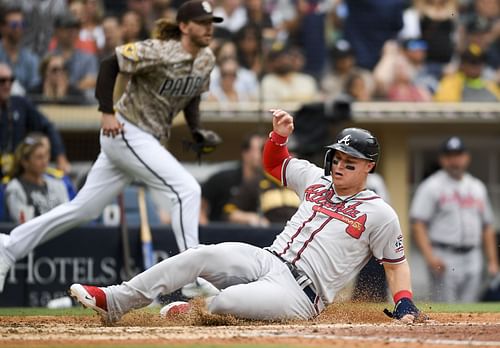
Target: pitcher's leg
[
  {"x": 152, "y": 164},
  {"x": 103, "y": 183}
]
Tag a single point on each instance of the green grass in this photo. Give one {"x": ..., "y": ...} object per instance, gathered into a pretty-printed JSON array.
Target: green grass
[{"x": 483, "y": 307}]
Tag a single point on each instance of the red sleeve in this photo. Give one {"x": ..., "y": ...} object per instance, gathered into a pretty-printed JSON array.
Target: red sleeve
[{"x": 274, "y": 154}]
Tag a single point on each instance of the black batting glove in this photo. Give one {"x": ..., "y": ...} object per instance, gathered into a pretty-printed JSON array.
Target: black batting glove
[{"x": 404, "y": 307}]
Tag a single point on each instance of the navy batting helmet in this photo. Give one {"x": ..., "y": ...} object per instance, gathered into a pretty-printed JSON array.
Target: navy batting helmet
[{"x": 355, "y": 142}]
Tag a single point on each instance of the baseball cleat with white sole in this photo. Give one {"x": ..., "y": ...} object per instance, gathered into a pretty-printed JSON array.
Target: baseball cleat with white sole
[
  {"x": 174, "y": 309},
  {"x": 91, "y": 297}
]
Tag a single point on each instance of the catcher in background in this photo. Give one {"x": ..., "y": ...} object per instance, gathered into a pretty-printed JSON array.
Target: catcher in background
[
  {"x": 167, "y": 75},
  {"x": 338, "y": 226}
]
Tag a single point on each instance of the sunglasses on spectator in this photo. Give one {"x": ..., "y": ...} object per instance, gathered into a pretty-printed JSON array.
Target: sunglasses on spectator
[
  {"x": 16, "y": 24},
  {"x": 4, "y": 80}
]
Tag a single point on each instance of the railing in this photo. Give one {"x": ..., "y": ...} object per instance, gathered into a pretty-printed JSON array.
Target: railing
[{"x": 88, "y": 118}]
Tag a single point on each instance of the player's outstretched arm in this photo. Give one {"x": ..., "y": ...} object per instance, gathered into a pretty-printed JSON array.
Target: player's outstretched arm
[
  {"x": 275, "y": 150},
  {"x": 399, "y": 281}
]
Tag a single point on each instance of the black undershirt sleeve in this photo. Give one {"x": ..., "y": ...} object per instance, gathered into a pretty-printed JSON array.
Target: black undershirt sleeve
[
  {"x": 106, "y": 78},
  {"x": 192, "y": 114}
]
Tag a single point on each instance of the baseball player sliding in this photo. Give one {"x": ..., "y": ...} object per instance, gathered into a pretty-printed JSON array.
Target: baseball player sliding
[
  {"x": 167, "y": 75},
  {"x": 334, "y": 232}
]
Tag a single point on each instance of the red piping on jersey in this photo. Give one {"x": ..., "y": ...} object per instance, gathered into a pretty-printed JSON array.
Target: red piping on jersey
[
  {"x": 289, "y": 243},
  {"x": 273, "y": 157},
  {"x": 285, "y": 165},
  {"x": 393, "y": 261},
  {"x": 366, "y": 199},
  {"x": 310, "y": 240}
]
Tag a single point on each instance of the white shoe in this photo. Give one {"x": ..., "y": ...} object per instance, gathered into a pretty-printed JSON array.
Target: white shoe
[
  {"x": 199, "y": 288},
  {"x": 92, "y": 297},
  {"x": 5, "y": 264},
  {"x": 174, "y": 309}
]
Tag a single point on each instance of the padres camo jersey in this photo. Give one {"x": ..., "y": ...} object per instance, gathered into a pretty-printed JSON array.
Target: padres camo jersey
[
  {"x": 165, "y": 79},
  {"x": 330, "y": 237}
]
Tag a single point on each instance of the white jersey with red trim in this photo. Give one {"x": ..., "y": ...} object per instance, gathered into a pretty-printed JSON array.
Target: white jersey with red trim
[{"x": 330, "y": 238}]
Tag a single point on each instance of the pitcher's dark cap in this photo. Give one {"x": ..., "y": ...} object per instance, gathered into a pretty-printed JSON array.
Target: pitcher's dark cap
[{"x": 196, "y": 10}]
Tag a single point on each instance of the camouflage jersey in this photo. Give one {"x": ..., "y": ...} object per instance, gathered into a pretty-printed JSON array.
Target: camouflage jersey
[{"x": 164, "y": 79}]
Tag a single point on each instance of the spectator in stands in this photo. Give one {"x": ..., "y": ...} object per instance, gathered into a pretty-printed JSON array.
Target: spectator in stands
[
  {"x": 482, "y": 26},
  {"x": 249, "y": 47},
  {"x": 226, "y": 89},
  {"x": 221, "y": 186},
  {"x": 343, "y": 64},
  {"x": 234, "y": 14},
  {"x": 260, "y": 202},
  {"x": 258, "y": 16},
  {"x": 19, "y": 117},
  {"x": 485, "y": 34},
  {"x": 112, "y": 36},
  {"x": 30, "y": 192},
  {"x": 415, "y": 83},
  {"x": 356, "y": 89},
  {"x": 246, "y": 81},
  {"x": 369, "y": 24},
  {"x": 82, "y": 66},
  {"x": 91, "y": 31},
  {"x": 466, "y": 84},
  {"x": 435, "y": 21},
  {"x": 307, "y": 30},
  {"x": 146, "y": 11},
  {"x": 22, "y": 60},
  {"x": 403, "y": 89},
  {"x": 414, "y": 51},
  {"x": 133, "y": 27},
  {"x": 40, "y": 16},
  {"x": 283, "y": 83},
  {"x": 55, "y": 87}
]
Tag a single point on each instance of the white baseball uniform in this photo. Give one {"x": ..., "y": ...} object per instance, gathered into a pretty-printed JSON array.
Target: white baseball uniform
[
  {"x": 165, "y": 78},
  {"x": 455, "y": 212},
  {"x": 327, "y": 242}
]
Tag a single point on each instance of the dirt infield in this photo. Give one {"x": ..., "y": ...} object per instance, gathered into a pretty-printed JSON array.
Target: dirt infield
[{"x": 340, "y": 325}]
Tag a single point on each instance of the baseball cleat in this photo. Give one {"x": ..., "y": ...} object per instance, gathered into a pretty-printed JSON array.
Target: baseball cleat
[
  {"x": 174, "y": 309},
  {"x": 91, "y": 297},
  {"x": 199, "y": 288}
]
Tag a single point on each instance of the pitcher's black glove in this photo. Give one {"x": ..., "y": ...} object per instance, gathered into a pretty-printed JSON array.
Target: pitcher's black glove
[
  {"x": 205, "y": 142},
  {"x": 405, "y": 309}
]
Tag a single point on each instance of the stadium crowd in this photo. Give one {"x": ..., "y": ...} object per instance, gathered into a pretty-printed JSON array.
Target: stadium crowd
[{"x": 278, "y": 50}]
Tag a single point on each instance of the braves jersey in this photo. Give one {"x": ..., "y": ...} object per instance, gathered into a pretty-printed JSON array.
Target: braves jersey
[
  {"x": 330, "y": 237},
  {"x": 455, "y": 211},
  {"x": 165, "y": 79}
]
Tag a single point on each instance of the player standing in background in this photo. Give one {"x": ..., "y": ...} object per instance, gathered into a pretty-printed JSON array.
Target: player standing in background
[
  {"x": 452, "y": 219},
  {"x": 167, "y": 75},
  {"x": 336, "y": 229}
]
